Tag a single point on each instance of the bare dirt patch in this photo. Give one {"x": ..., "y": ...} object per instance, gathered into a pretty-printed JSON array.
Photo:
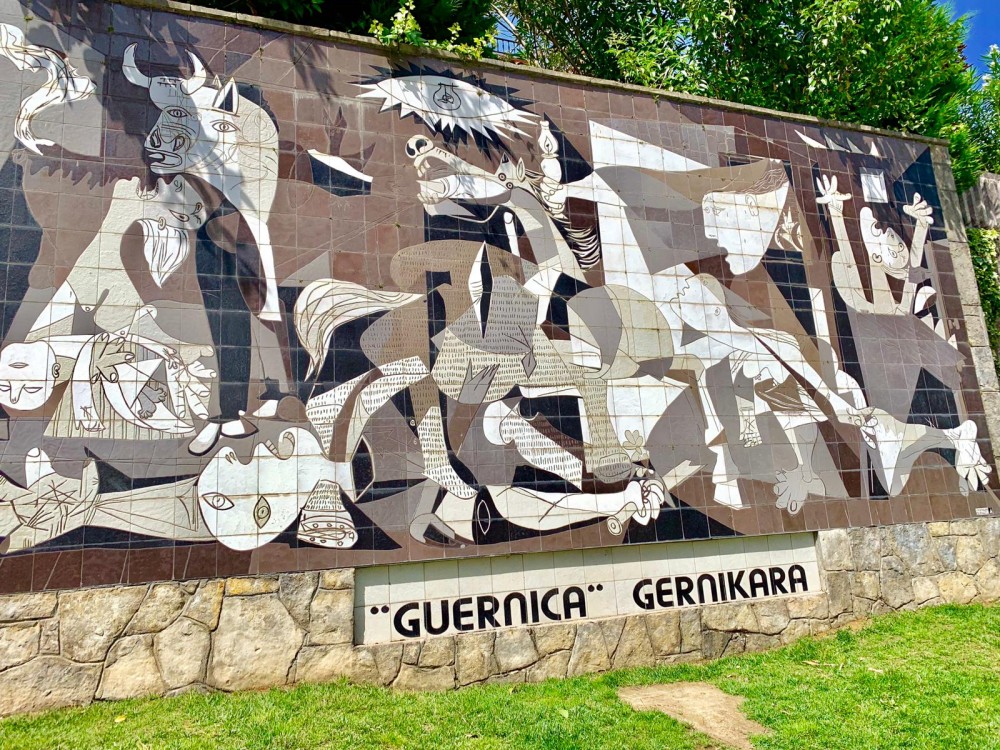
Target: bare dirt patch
[{"x": 701, "y": 706}]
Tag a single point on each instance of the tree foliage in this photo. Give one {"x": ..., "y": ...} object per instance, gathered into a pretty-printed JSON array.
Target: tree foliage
[
  {"x": 436, "y": 19},
  {"x": 406, "y": 29},
  {"x": 981, "y": 117},
  {"x": 895, "y": 64}
]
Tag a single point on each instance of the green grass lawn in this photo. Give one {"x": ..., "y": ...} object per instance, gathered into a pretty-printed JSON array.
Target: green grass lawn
[{"x": 915, "y": 680}]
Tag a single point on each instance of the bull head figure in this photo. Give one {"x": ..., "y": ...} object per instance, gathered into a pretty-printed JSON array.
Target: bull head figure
[
  {"x": 229, "y": 142},
  {"x": 198, "y": 127}
]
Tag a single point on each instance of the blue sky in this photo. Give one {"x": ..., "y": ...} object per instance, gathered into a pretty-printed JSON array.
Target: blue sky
[{"x": 985, "y": 26}]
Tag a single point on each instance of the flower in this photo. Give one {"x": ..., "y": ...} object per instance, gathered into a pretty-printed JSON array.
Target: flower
[{"x": 636, "y": 443}]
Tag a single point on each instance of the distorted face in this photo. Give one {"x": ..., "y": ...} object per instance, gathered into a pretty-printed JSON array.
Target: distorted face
[
  {"x": 246, "y": 505},
  {"x": 170, "y": 212},
  {"x": 884, "y": 246},
  {"x": 702, "y": 308},
  {"x": 175, "y": 203},
  {"x": 196, "y": 129},
  {"x": 443, "y": 176},
  {"x": 743, "y": 223},
  {"x": 27, "y": 375}
]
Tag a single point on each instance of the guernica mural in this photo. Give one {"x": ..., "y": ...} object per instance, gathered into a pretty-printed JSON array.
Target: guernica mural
[{"x": 273, "y": 304}]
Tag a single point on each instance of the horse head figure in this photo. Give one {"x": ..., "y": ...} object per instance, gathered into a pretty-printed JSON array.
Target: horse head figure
[{"x": 445, "y": 178}]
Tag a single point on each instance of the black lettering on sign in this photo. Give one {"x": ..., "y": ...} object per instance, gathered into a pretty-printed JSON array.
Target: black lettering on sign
[
  {"x": 467, "y": 613},
  {"x": 487, "y": 607},
  {"x": 736, "y": 585},
  {"x": 441, "y": 627},
  {"x": 710, "y": 579},
  {"x": 758, "y": 583},
  {"x": 414, "y": 619},
  {"x": 797, "y": 577},
  {"x": 546, "y": 608},
  {"x": 641, "y": 594},
  {"x": 463, "y": 617},
  {"x": 684, "y": 588},
  {"x": 778, "y": 581},
  {"x": 411, "y": 626},
  {"x": 508, "y": 607},
  {"x": 574, "y": 601},
  {"x": 664, "y": 593},
  {"x": 710, "y": 588}
]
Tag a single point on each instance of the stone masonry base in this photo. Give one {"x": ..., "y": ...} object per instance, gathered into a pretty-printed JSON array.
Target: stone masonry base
[{"x": 74, "y": 647}]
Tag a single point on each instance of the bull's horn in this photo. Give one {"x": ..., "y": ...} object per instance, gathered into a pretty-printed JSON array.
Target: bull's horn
[
  {"x": 197, "y": 80},
  {"x": 131, "y": 71}
]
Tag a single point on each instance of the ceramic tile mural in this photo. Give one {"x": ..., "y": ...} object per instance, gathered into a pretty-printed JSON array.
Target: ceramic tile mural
[{"x": 276, "y": 303}]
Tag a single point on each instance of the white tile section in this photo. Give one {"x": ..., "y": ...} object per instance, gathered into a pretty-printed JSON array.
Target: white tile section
[
  {"x": 873, "y": 186},
  {"x": 441, "y": 579},
  {"x": 757, "y": 551},
  {"x": 474, "y": 576},
  {"x": 539, "y": 570},
  {"x": 375, "y": 583},
  {"x": 732, "y": 553},
  {"x": 406, "y": 582}
]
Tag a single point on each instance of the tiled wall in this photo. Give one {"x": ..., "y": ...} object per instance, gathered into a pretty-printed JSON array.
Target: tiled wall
[{"x": 278, "y": 303}]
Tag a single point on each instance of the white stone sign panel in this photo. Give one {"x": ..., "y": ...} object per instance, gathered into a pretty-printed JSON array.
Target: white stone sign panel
[{"x": 420, "y": 600}]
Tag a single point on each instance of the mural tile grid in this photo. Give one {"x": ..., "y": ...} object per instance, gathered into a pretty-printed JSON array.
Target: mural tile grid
[{"x": 276, "y": 304}]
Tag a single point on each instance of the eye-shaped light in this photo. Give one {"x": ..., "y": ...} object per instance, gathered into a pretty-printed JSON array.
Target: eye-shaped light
[
  {"x": 261, "y": 512},
  {"x": 217, "y": 501}
]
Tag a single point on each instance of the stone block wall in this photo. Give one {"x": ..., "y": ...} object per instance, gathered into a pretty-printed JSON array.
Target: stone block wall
[
  {"x": 981, "y": 203},
  {"x": 75, "y": 647}
]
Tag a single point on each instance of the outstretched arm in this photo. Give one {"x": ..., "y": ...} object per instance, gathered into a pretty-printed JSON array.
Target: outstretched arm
[
  {"x": 905, "y": 306},
  {"x": 844, "y": 268},
  {"x": 923, "y": 214},
  {"x": 834, "y": 201}
]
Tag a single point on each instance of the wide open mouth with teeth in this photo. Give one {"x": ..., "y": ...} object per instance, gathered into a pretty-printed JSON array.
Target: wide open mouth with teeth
[
  {"x": 162, "y": 160},
  {"x": 442, "y": 176}
]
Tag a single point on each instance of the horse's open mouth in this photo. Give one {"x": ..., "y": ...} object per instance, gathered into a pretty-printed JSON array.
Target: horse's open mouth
[
  {"x": 435, "y": 178},
  {"x": 429, "y": 166},
  {"x": 442, "y": 176},
  {"x": 433, "y": 191}
]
